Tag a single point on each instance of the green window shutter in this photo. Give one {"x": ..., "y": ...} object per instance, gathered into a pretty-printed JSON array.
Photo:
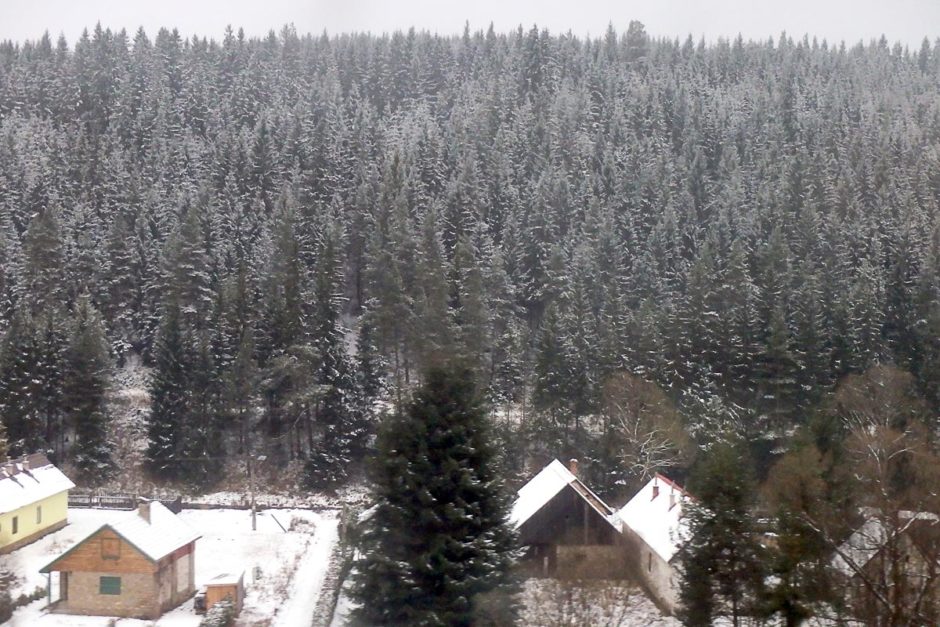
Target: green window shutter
[{"x": 109, "y": 585}]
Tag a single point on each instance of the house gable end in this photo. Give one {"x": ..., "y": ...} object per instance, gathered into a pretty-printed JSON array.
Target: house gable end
[
  {"x": 89, "y": 555},
  {"x": 568, "y": 519}
]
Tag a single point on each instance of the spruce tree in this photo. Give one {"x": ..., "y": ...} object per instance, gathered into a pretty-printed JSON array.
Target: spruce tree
[
  {"x": 341, "y": 432},
  {"x": 19, "y": 386},
  {"x": 721, "y": 561},
  {"x": 168, "y": 399},
  {"x": 84, "y": 384},
  {"x": 369, "y": 366},
  {"x": 4, "y": 444},
  {"x": 437, "y": 548}
]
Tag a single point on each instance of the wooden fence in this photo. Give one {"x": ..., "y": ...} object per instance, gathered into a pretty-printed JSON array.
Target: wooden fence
[{"x": 117, "y": 501}]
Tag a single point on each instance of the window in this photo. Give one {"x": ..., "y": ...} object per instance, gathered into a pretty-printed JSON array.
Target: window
[
  {"x": 16, "y": 524},
  {"x": 109, "y": 585},
  {"x": 38, "y": 514},
  {"x": 110, "y": 549},
  {"x": 649, "y": 562}
]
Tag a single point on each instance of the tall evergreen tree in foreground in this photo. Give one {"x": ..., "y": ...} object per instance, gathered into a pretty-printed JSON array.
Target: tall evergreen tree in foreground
[
  {"x": 437, "y": 549},
  {"x": 722, "y": 562}
]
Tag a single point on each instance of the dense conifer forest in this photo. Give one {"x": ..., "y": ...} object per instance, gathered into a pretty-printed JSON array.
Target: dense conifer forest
[{"x": 292, "y": 228}]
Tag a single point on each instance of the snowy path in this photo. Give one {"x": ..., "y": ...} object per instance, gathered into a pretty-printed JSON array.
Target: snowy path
[{"x": 305, "y": 589}]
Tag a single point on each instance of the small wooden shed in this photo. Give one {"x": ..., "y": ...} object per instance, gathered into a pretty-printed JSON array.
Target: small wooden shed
[{"x": 226, "y": 585}]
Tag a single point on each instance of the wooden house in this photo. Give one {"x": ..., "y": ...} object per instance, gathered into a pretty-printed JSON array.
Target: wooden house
[
  {"x": 33, "y": 500},
  {"x": 653, "y": 531},
  {"x": 138, "y": 567},
  {"x": 568, "y": 531}
]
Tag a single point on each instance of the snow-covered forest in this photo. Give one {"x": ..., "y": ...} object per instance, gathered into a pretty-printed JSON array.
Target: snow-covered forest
[{"x": 289, "y": 229}]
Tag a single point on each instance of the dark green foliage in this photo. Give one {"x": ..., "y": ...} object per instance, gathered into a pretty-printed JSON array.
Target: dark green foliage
[
  {"x": 168, "y": 400},
  {"x": 489, "y": 196},
  {"x": 84, "y": 384},
  {"x": 369, "y": 367},
  {"x": 800, "y": 560},
  {"x": 221, "y": 614},
  {"x": 186, "y": 407},
  {"x": 4, "y": 444},
  {"x": 6, "y": 600},
  {"x": 340, "y": 418},
  {"x": 18, "y": 389},
  {"x": 437, "y": 546},
  {"x": 722, "y": 562}
]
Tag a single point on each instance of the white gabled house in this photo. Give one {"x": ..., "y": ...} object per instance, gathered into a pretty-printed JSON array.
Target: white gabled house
[
  {"x": 653, "y": 529},
  {"x": 33, "y": 500}
]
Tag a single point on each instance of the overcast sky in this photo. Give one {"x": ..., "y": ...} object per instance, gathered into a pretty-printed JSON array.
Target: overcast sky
[{"x": 907, "y": 21}]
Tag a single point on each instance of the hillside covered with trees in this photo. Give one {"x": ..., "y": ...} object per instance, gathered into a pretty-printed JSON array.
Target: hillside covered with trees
[{"x": 288, "y": 229}]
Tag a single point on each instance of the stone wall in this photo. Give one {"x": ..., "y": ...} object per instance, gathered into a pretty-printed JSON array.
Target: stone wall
[
  {"x": 590, "y": 561},
  {"x": 138, "y": 598}
]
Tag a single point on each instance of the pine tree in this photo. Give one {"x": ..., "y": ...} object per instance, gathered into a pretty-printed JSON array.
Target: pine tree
[
  {"x": 240, "y": 393},
  {"x": 168, "y": 400},
  {"x": 341, "y": 428},
  {"x": 19, "y": 387},
  {"x": 201, "y": 441},
  {"x": 4, "y": 444},
  {"x": 370, "y": 367},
  {"x": 42, "y": 258},
  {"x": 801, "y": 558},
  {"x": 552, "y": 372},
  {"x": 437, "y": 548},
  {"x": 721, "y": 560},
  {"x": 85, "y": 381}
]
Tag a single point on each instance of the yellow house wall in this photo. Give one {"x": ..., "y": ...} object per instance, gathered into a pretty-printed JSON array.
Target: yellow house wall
[{"x": 54, "y": 514}]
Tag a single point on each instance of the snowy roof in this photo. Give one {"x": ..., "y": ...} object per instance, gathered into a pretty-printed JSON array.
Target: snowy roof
[
  {"x": 655, "y": 515},
  {"x": 865, "y": 542},
  {"x": 28, "y": 480},
  {"x": 543, "y": 487},
  {"x": 225, "y": 579},
  {"x": 161, "y": 535},
  {"x": 156, "y": 537}
]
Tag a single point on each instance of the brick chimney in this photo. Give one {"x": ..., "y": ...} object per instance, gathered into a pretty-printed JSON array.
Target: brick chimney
[
  {"x": 573, "y": 466},
  {"x": 143, "y": 510},
  {"x": 655, "y": 489}
]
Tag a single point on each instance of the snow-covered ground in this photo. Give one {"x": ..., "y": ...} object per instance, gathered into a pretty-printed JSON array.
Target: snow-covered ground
[
  {"x": 551, "y": 603},
  {"x": 554, "y": 603},
  {"x": 289, "y": 553}
]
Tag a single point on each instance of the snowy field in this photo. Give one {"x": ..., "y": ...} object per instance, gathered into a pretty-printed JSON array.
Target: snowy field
[{"x": 289, "y": 552}]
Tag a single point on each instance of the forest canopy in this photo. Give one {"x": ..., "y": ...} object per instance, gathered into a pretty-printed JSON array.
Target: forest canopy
[{"x": 742, "y": 223}]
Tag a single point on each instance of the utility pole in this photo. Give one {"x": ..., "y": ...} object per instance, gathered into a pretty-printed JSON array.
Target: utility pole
[
  {"x": 251, "y": 489},
  {"x": 251, "y": 493}
]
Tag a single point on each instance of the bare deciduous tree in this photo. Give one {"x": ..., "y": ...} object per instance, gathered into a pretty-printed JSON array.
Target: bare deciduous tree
[{"x": 650, "y": 427}]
